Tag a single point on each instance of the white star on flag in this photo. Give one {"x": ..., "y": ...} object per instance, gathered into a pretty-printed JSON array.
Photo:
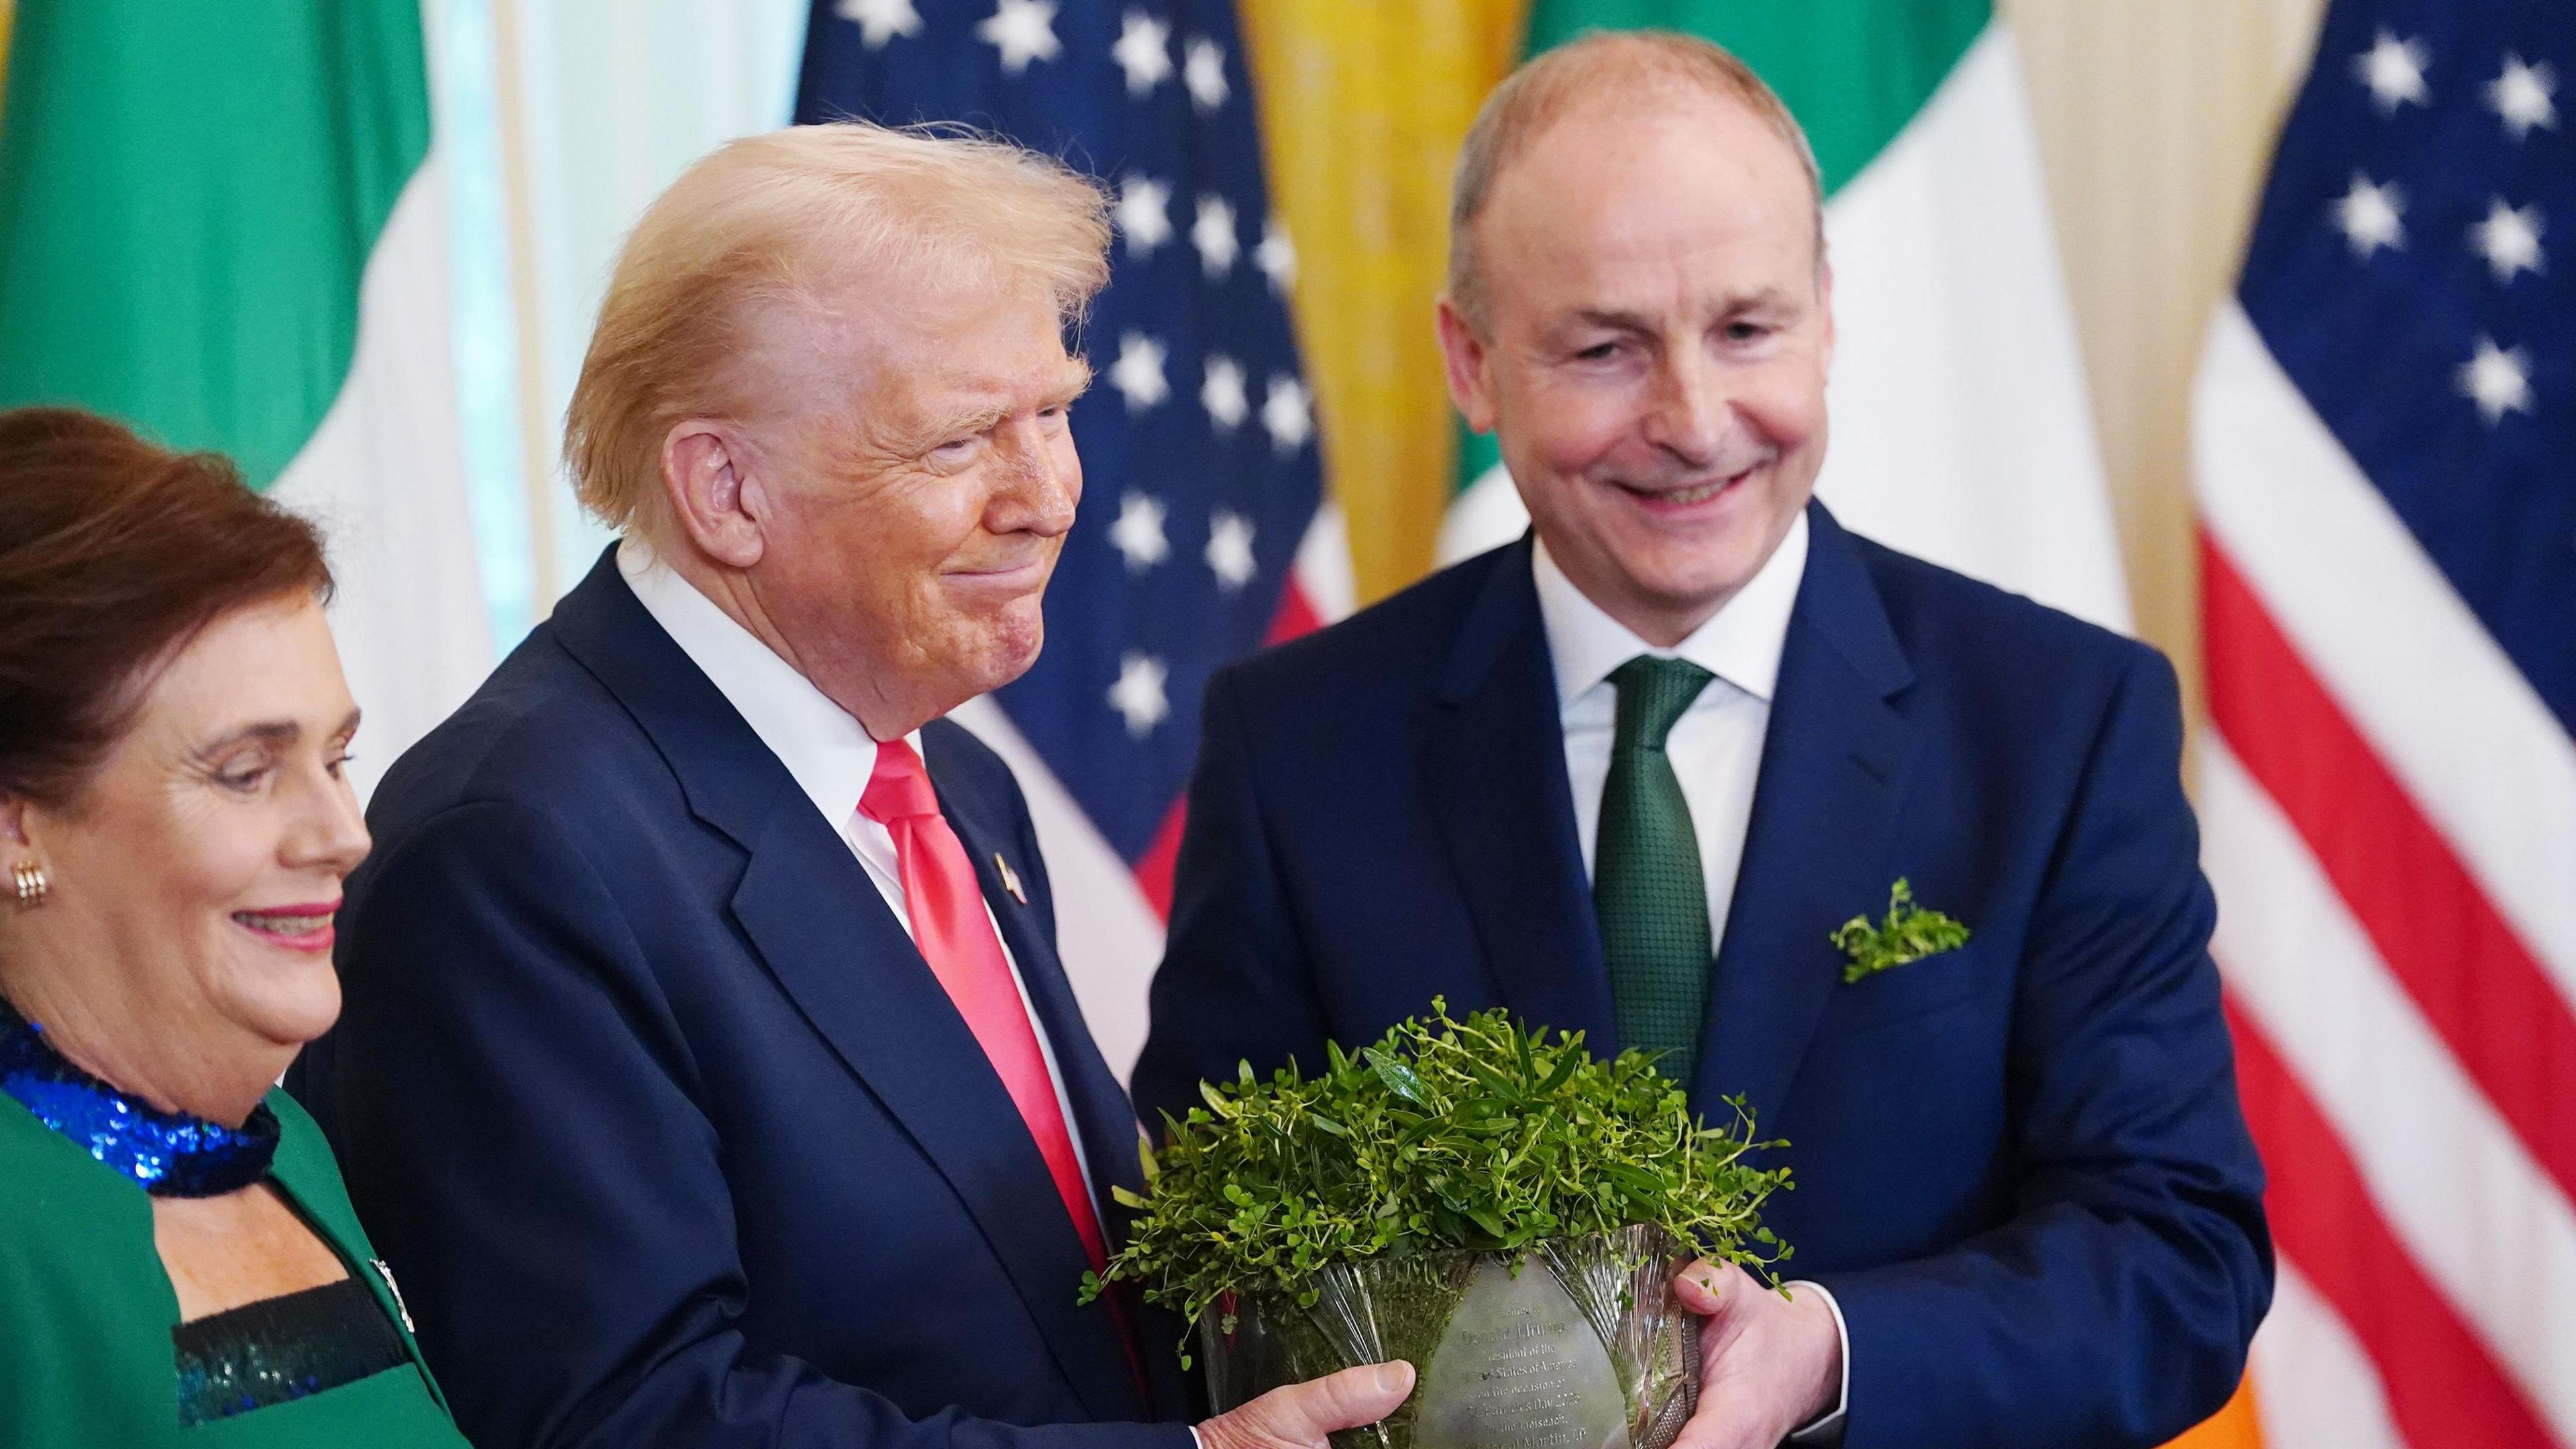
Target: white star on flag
[
  {"x": 1229, "y": 550},
  {"x": 1276, "y": 258},
  {"x": 880, "y": 21},
  {"x": 1203, "y": 71},
  {"x": 1213, "y": 235},
  {"x": 2499, "y": 379},
  {"x": 1138, "y": 372},
  {"x": 1288, "y": 412},
  {"x": 2369, "y": 216},
  {"x": 1221, "y": 392},
  {"x": 1138, "y": 694},
  {"x": 2394, "y": 71},
  {"x": 1144, "y": 214},
  {"x": 1138, "y": 533},
  {"x": 1143, "y": 51},
  {"x": 2509, "y": 239},
  {"x": 1023, "y": 31},
  {"x": 2521, "y": 95}
]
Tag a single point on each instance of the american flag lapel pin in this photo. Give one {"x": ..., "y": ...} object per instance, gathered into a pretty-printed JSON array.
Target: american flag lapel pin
[{"x": 1010, "y": 879}]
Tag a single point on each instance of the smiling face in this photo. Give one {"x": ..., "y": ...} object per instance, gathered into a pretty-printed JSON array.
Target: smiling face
[
  {"x": 1654, "y": 351},
  {"x": 911, "y": 478},
  {"x": 185, "y": 951}
]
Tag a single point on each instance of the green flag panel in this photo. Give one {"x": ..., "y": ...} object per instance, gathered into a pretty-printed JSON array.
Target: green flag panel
[
  {"x": 189, "y": 190},
  {"x": 1854, "y": 72}
]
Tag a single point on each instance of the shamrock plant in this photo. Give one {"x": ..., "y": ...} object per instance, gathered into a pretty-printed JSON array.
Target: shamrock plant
[{"x": 1446, "y": 1134}]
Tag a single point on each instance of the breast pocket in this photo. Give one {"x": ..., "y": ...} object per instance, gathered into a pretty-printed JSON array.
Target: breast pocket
[{"x": 1911, "y": 992}]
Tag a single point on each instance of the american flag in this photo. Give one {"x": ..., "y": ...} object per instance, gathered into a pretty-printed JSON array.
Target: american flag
[
  {"x": 1202, "y": 529},
  {"x": 2386, "y": 459}
]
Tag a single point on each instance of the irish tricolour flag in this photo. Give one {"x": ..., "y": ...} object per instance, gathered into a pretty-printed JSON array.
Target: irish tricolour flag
[
  {"x": 1961, "y": 428},
  {"x": 222, "y": 222}
]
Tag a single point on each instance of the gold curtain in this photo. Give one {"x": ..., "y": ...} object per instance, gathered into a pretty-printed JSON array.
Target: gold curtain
[{"x": 1364, "y": 104}]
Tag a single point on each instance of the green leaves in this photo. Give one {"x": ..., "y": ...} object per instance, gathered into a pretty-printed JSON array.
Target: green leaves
[
  {"x": 1398, "y": 1077},
  {"x": 1907, "y": 935},
  {"x": 1445, "y": 1134}
]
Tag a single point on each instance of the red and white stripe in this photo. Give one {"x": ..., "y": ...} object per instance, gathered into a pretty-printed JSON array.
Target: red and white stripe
[
  {"x": 2389, "y": 819},
  {"x": 1109, "y": 915}
]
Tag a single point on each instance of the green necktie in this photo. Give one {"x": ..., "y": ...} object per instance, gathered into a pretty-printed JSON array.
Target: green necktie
[{"x": 1646, "y": 882}]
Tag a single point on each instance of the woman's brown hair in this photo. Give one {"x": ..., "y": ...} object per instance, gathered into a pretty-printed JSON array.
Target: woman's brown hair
[{"x": 114, "y": 552}]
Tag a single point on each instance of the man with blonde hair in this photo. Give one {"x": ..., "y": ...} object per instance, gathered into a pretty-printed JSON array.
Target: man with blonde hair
[
  {"x": 1662, "y": 771},
  {"x": 707, "y": 1075}
]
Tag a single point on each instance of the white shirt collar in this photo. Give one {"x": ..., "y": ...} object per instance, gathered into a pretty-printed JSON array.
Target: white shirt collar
[
  {"x": 1740, "y": 643},
  {"x": 827, "y": 750}
]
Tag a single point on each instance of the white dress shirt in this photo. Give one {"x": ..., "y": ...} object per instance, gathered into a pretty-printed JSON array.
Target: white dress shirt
[
  {"x": 828, "y": 752},
  {"x": 1715, "y": 747}
]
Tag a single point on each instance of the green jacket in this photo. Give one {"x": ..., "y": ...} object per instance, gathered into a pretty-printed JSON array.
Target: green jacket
[{"x": 86, "y": 1310}]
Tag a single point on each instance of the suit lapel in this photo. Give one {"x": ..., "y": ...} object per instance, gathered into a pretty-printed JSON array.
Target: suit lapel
[
  {"x": 1103, "y": 1115},
  {"x": 1492, "y": 754},
  {"x": 834, "y": 948},
  {"x": 1835, "y": 759},
  {"x": 827, "y": 936}
]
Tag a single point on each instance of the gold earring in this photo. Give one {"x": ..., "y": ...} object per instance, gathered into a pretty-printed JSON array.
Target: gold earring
[{"x": 33, "y": 884}]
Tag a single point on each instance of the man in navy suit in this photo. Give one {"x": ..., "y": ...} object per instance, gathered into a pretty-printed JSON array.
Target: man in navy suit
[
  {"x": 1628, "y": 775},
  {"x": 707, "y": 1073}
]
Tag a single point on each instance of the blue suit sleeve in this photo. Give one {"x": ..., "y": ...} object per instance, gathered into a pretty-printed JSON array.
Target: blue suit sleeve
[
  {"x": 1231, "y": 986},
  {"x": 522, "y": 1135},
  {"x": 2115, "y": 1307}
]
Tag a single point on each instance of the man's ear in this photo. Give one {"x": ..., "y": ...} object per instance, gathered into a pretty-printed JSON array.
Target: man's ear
[
  {"x": 1462, "y": 354},
  {"x": 703, "y": 477}
]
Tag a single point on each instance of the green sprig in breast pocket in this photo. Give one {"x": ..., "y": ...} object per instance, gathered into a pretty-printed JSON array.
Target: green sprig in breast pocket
[{"x": 1909, "y": 934}]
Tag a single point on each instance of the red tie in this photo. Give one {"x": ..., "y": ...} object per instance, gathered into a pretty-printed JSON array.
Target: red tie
[{"x": 956, "y": 938}]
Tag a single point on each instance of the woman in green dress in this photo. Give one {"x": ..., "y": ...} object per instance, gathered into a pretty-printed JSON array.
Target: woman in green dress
[{"x": 179, "y": 1263}]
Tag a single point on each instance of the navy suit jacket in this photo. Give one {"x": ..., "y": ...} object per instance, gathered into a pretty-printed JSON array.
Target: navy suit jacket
[
  {"x": 663, "y": 1123},
  {"x": 2020, "y": 1166}
]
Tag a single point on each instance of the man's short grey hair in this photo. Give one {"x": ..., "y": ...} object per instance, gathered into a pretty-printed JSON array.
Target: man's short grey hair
[
  {"x": 784, "y": 217},
  {"x": 1599, "y": 64}
]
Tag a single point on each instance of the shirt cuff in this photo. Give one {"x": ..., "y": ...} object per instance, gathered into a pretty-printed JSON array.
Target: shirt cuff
[{"x": 1826, "y": 1430}]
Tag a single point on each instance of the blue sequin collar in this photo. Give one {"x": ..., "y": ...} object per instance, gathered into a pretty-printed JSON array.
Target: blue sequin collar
[{"x": 169, "y": 1154}]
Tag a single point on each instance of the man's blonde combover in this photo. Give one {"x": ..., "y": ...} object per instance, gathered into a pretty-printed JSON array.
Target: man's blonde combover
[
  {"x": 1629, "y": 68},
  {"x": 785, "y": 218}
]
